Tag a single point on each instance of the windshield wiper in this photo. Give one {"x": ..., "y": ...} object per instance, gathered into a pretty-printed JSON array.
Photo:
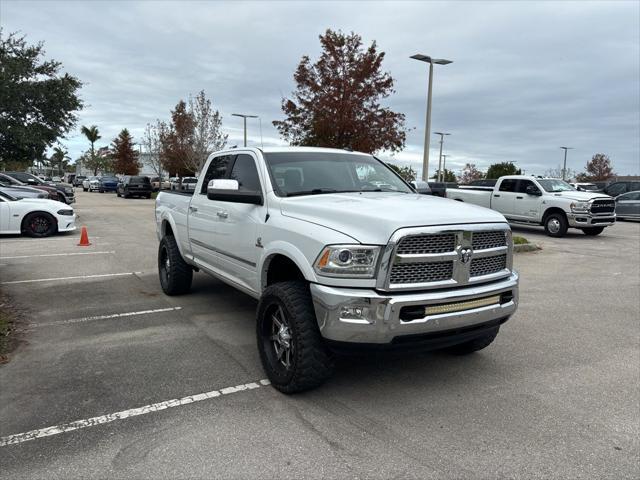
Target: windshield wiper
[{"x": 315, "y": 191}]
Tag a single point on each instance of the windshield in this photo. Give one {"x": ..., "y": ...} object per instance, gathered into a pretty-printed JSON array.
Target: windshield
[
  {"x": 7, "y": 197},
  {"x": 108, "y": 179},
  {"x": 555, "y": 185},
  {"x": 310, "y": 173}
]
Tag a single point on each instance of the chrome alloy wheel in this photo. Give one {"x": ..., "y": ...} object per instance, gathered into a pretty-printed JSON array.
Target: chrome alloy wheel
[
  {"x": 281, "y": 338},
  {"x": 553, "y": 225}
]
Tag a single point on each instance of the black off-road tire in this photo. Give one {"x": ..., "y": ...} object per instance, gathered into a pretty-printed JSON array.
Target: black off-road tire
[
  {"x": 311, "y": 362},
  {"x": 118, "y": 193},
  {"x": 39, "y": 225},
  {"x": 474, "y": 345},
  {"x": 556, "y": 225},
  {"x": 176, "y": 275},
  {"x": 85, "y": 189},
  {"x": 593, "y": 231}
]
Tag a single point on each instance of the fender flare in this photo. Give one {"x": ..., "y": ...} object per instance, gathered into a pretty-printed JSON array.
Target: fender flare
[{"x": 290, "y": 251}]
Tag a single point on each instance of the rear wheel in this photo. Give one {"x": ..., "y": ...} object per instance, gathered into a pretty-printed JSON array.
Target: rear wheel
[
  {"x": 292, "y": 351},
  {"x": 39, "y": 224},
  {"x": 475, "y": 344},
  {"x": 593, "y": 231},
  {"x": 556, "y": 225},
  {"x": 176, "y": 275}
]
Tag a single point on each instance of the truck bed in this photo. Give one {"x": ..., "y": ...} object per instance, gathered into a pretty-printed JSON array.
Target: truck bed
[{"x": 477, "y": 195}]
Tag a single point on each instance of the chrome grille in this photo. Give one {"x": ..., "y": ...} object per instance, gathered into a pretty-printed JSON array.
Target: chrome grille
[
  {"x": 491, "y": 239},
  {"x": 421, "y": 244},
  {"x": 421, "y": 272},
  {"x": 487, "y": 265},
  {"x": 603, "y": 206}
]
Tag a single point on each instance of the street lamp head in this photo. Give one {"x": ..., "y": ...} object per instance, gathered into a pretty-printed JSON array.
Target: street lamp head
[
  {"x": 243, "y": 115},
  {"x": 428, "y": 59},
  {"x": 567, "y": 148},
  {"x": 441, "y": 133}
]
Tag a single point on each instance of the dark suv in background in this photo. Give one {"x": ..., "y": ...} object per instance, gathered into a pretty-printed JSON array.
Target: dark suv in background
[
  {"x": 65, "y": 192},
  {"x": 618, "y": 188},
  {"x": 134, "y": 186}
]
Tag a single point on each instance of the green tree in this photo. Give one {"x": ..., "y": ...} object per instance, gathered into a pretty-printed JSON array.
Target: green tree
[
  {"x": 125, "y": 157},
  {"x": 177, "y": 142},
  {"x": 38, "y": 103},
  {"x": 59, "y": 159},
  {"x": 498, "y": 170},
  {"x": 407, "y": 173},
  {"x": 337, "y": 101},
  {"x": 93, "y": 136},
  {"x": 448, "y": 176}
]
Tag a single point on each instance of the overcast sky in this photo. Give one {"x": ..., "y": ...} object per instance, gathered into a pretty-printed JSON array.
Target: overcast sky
[{"x": 527, "y": 77}]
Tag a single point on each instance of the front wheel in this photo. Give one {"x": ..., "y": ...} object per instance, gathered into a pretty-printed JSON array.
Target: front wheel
[
  {"x": 85, "y": 189},
  {"x": 292, "y": 351},
  {"x": 176, "y": 275},
  {"x": 39, "y": 224},
  {"x": 556, "y": 225},
  {"x": 593, "y": 231},
  {"x": 475, "y": 344}
]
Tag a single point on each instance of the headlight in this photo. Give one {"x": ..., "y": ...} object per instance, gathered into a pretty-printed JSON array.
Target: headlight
[
  {"x": 68, "y": 190},
  {"x": 65, "y": 212},
  {"x": 579, "y": 206},
  {"x": 348, "y": 261}
]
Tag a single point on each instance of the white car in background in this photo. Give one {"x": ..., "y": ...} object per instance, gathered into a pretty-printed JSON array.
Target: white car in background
[
  {"x": 35, "y": 217},
  {"x": 90, "y": 184}
]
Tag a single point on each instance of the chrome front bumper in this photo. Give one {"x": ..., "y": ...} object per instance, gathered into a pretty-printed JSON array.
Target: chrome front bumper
[
  {"x": 585, "y": 220},
  {"x": 379, "y": 319}
]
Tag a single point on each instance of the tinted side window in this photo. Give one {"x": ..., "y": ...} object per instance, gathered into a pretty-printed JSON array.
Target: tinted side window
[
  {"x": 217, "y": 169},
  {"x": 246, "y": 173},
  {"x": 523, "y": 184},
  {"x": 508, "y": 185},
  {"x": 616, "y": 189}
]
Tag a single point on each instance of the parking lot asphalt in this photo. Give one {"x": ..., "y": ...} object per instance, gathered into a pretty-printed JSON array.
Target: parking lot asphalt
[{"x": 556, "y": 395}]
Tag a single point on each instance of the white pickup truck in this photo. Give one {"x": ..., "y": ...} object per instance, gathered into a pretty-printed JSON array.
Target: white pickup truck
[
  {"x": 549, "y": 202},
  {"x": 341, "y": 253}
]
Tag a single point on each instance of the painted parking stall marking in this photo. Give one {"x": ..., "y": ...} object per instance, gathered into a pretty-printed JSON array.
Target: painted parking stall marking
[
  {"x": 134, "y": 412},
  {"x": 105, "y": 317},
  {"x": 59, "y": 255},
  {"x": 78, "y": 277}
]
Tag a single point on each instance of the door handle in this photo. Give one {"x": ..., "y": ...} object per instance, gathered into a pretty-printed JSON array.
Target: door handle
[
  {"x": 193, "y": 209},
  {"x": 496, "y": 196},
  {"x": 222, "y": 214},
  {"x": 519, "y": 198}
]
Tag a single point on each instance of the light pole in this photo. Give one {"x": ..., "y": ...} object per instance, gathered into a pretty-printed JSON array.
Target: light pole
[
  {"x": 444, "y": 166},
  {"x": 564, "y": 167},
  {"x": 442, "y": 134},
  {"x": 244, "y": 117},
  {"x": 427, "y": 132}
]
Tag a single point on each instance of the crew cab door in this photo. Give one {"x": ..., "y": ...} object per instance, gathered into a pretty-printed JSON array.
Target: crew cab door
[
  {"x": 203, "y": 215},
  {"x": 527, "y": 205},
  {"x": 504, "y": 196},
  {"x": 237, "y": 225}
]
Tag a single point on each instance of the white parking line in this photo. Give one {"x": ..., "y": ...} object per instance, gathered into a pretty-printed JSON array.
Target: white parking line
[
  {"x": 134, "y": 412},
  {"x": 105, "y": 317},
  {"x": 46, "y": 239},
  {"x": 13, "y": 282},
  {"x": 57, "y": 255}
]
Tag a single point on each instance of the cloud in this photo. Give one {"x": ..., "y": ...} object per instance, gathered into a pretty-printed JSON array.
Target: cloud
[{"x": 527, "y": 77}]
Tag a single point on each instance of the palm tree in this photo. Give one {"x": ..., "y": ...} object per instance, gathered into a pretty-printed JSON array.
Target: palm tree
[
  {"x": 93, "y": 136},
  {"x": 58, "y": 157}
]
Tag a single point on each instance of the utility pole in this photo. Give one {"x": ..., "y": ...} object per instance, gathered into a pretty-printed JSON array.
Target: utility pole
[
  {"x": 427, "y": 132},
  {"x": 442, "y": 134},
  {"x": 564, "y": 166},
  {"x": 244, "y": 117}
]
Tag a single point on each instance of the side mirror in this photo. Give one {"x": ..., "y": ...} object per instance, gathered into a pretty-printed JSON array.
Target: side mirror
[
  {"x": 229, "y": 191},
  {"x": 532, "y": 190}
]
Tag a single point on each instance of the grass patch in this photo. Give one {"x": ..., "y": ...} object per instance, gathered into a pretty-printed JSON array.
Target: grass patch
[
  {"x": 519, "y": 240},
  {"x": 8, "y": 318},
  {"x": 154, "y": 195}
]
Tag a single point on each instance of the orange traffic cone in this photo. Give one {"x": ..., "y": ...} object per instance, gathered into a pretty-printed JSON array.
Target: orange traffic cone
[{"x": 84, "y": 238}]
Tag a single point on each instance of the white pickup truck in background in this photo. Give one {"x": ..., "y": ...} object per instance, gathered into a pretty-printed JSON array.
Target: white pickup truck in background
[
  {"x": 341, "y": 253},
  {"x": 549, "y": 202}
]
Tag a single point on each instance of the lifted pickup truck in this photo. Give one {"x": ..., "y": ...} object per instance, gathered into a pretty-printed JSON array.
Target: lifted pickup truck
[
  {"x": 341, "y": 253},
  {"x": 550, "y": 202}
]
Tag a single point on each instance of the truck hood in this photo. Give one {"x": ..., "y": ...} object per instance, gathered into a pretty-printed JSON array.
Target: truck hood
[
  {"x": 372, "y": 217},
  {"x": 579, "y": 196}
]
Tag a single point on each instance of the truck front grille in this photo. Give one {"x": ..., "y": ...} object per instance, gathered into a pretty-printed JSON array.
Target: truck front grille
[
  {"x": 421, "y": 244},
  {"x": 487, "y": 265},
  {"x": 428, "y": 258},
  {"x": 483, "y": 240},
  {"x": 603, "y": 206},
  {"x": 421, "y": 272}
]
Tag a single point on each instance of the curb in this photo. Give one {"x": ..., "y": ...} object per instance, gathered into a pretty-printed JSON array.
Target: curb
[{"x": 526, "y": 247}]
